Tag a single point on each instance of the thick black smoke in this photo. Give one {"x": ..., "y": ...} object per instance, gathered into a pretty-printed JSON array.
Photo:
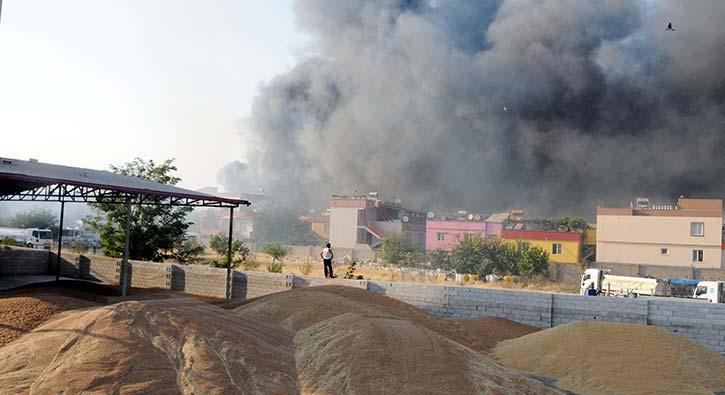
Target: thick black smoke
[{"x": 554, "y": 105}]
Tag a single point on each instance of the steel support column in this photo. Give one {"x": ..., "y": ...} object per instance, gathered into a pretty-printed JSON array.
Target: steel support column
[
  {"x": 124, "y": 263},
  {"x": 60, "y": 241},
  {"x": 229, "y": 256}
]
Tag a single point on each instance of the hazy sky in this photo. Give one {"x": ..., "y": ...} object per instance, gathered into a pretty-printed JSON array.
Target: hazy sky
[{"x": 94, "y": 82}]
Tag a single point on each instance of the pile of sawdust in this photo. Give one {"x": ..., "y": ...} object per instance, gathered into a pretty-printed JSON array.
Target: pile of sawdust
[
  {"x": 596, "y": 357},
  {"x": 21, "y": 313},
  {"x": 156, "y": 346}
]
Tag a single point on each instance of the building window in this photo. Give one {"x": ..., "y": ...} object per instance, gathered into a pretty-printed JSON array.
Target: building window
[
  {"x": 697, "y": 229},
  {"x": 697, "y": 255},
  {"x": 362, "y": 215},
  {"x": 555, "y": 249},
  {"x": 664, "y": 251},
  {"x": 441, "y": 236}
]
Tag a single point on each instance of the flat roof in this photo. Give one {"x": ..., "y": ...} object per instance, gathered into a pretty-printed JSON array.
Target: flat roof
[
  {"x": 17, "y": 176},
  {"x": 685, "y": 207}
]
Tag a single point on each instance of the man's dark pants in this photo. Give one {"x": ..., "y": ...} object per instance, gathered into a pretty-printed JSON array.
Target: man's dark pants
[{"x": 328, "y": 267}]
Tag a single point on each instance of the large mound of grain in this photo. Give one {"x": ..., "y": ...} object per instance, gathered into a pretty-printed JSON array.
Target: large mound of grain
[
  {"x": 20, "y": 313},
  {"x": 353, "y": 353},
  {"x": 301, "y": 308},
  {"x": 600, "y": 357},
  {"x": 352, "y": 341},
  {"x": 158, "y": 346}
]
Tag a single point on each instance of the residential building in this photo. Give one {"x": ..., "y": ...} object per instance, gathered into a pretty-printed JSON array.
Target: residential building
[
  {"x": 686, "y": 234},
  {"x": 364, "y": 220},
  {"x": 563, "y": 247},
  {"x": 319, "y": 224},
  {"x": 445, "y": 231}
]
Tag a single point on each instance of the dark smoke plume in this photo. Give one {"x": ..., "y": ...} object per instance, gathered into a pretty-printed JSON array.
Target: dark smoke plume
[{"x": 553, "y": 105}]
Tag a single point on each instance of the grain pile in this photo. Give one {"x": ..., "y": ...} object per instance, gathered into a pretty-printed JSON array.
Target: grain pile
[
  {"x": 302, "y": 308},
  {"x": 23, "y": 312},
  {"x": 157, "y": 346},
  {"x": 601, "y": 357},
  {"x": 321, "y": 340},
  {"x": 352, "y": 341}
]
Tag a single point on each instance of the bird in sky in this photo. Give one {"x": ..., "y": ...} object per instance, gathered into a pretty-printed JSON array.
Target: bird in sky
[
  {"x": 505, "y": 109},
  {"x": 669, "y": 27}
]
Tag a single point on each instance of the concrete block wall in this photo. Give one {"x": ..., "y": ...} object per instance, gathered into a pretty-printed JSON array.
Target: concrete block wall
[
  {"x": 531, "y": 308},
  {"x": 248, "y": 285},
  {"x": 567, "y": 308},
  {"x": 702, "y": 323},
  {"x": 23, "y": 261}
]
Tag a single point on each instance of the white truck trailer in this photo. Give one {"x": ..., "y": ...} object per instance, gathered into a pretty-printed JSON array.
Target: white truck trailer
[
  {"x": 31, "y": 237},
  {"x": 601, "y": 282}
]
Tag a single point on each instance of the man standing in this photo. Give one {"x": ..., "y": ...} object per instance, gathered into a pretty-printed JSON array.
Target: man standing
[{"x": 327, "y": 256}]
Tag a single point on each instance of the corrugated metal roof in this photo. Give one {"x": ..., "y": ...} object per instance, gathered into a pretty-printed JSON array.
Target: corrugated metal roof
[{"x": 20, "y": 175}]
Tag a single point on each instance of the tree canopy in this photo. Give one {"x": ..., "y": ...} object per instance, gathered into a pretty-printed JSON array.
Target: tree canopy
[
  {"x": 399, "y": 250},
  {"x": 478, "y": 256},
  {"x": 34, "y": 218},
  {"x": 155, "y": 230}
]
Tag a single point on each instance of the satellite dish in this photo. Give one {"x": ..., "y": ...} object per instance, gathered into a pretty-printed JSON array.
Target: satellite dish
[
  {"x": 398, "y": 201},
  {"x": 563, "y": 228},
  {"x": 431, "y": 215},
  {"x": 477, "y": 217},
  {"x": 406, "y": 218}
]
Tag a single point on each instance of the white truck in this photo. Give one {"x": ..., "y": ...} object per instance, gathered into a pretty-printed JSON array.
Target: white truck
[
  {"x": 601, "y": 282},
  {"x": 712, "y": 291},
  {"x": 31, "y": 237}
]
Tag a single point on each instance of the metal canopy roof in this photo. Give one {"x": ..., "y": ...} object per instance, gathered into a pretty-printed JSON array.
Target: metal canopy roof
[{"x": 29, "y": 180}]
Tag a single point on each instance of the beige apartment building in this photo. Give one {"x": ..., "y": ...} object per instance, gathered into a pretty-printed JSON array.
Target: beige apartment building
[
  {"x": 687, "y": 234},
  {"x": 362, "y": 221}
]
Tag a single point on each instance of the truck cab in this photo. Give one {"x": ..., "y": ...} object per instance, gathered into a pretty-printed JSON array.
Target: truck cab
[
  {"x": 712, "y": 291},
  {"x": 592, "y": 280},
  {"x": 39, "y": 238}
]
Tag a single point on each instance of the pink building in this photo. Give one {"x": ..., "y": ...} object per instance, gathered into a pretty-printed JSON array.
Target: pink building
[{"x": 442, "y": 233}]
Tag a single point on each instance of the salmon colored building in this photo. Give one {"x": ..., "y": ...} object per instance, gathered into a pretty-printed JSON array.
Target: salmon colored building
[
  {"x": 563, "y": 247},
  {"x": 687, "y": 234}
]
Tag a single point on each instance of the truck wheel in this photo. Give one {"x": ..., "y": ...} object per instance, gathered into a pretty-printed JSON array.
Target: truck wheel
[{"x": 29, "y": 245}]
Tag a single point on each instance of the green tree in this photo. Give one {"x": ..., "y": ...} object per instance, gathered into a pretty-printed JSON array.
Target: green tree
[
  {"x": 468, "y": 256},
  {"x": 533, "y": 260},
  {"x": 219, "y": 243},
  {"x": 500, "y": 257},
  {"x": 155, "y": 230},
  {"x": 276, "y": 251},
  {"x": 399, "y": 250},
  {"x": 36, "y": 218},
  {"x": 440, "y": 259},
  {"x": 186, "y": 252}
]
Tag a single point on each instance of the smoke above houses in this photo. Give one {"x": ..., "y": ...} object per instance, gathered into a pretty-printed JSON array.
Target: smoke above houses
[{"x": 553, "y": 105}]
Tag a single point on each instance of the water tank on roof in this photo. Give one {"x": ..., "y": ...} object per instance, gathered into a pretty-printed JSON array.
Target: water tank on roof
[
  {"x": 406, "y": 218},
  {"x": 470, "y": 217},
  {"x": 431, "y": 215}
]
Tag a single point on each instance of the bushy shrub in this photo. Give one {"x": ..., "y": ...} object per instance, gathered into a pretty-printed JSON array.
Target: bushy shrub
[
  {"x": 306, "y": 267},
  {"x": 275, "y": 267}
]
